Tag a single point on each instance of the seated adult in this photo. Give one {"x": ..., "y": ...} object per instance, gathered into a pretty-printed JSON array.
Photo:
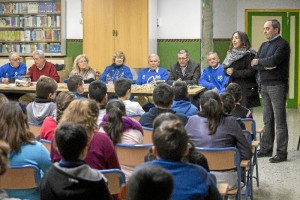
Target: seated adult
[
  {"x": 212, "y": 128},
  {"x": 117, "y": 69},
  {"x": 12, "y": 70},
  {"x": 181, "y": 103},
  {"x": 163, "y": 96},
  {"x": 184, "y": 69},
  {"x": 213, "y": 76},
  {"x": 170, "y": 146},
  {"x": 41, "y": 67},
  {"x": 153, "y": 72},
  {"x": 81, "y": 67}
]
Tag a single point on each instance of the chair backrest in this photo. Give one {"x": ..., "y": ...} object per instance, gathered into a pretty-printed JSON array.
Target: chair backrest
[
  {"x": 21, "y": 177},
  {"x": 147, "y": 135},
  {"x": 250, "y": 126},
  {"x": 115, "y": 179},
  {"x": 35, "y": 129},
  {"x": 136, "y": 117},
  {"x": 47, "y": 144},
  {"x": 132, "y": 155}
]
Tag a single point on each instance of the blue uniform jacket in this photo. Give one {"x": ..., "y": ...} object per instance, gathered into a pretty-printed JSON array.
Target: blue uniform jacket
[
  {"x": 158, "y": 74},
  {"x": 113, "y": 72},
  {"x": 7, "y": 71}
]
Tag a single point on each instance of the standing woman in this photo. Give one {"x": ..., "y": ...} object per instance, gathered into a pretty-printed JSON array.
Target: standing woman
[
  {"x": 24, "y": 148},
  {"x": 81, "y": 67},
  {"x": 117, "y": 69},
  {"x": 237, "y": 65}
]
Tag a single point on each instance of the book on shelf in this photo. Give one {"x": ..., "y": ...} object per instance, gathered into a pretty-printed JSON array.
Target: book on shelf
[
  {"x": 5, "y": 21},
  {"x": 32, "y": 7}
]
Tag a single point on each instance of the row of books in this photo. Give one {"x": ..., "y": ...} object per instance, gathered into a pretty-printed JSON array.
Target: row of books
[
  {"x": 29, "y": 48},
  {"x": 30, "y": 7},
  {"x": 31, "y": 35},
  {"x": 31, "y": 21}
]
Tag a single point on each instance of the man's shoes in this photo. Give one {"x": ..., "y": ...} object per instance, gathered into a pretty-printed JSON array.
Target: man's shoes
[
  {"x": 262, "y": 154},
  {"x": 277, "y": 159}
]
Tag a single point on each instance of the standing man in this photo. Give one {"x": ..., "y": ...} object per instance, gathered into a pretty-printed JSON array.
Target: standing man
[
  {"x": 213, "y": 77},
  {"x": 184, "y": 70},
  {"x": 272, "y": 64},
  {"x": 41, "y": 67},
  {"x": 12, "y": 70}
]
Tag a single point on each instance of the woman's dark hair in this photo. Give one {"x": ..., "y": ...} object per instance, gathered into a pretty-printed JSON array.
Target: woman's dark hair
[
  {"x": 114, "y": 127},
  {"x": 211, "y": 107},
  {"x": 244, "y": 40}
]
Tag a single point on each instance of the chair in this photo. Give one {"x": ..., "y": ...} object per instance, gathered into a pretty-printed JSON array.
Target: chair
[
  {"x": 115, "y": 178},
  {"x": 147, "y": 135},
  {"x": 228, "y": 158},
  {"x": 47, "y": 144},
  {"x": 132, "y": 155},
  {"x": 251, "y": 127},
  {"x": 21, "y": 177},
  {"x": 136, "y": 117},
  {"x": 35, "y": 129}
]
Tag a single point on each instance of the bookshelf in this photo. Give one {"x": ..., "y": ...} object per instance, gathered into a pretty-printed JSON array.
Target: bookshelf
[{"x": 28, "y": 25}]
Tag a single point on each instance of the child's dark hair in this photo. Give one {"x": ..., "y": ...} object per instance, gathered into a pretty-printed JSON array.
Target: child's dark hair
[
  {"x": 211, "y": 107},
  {"x": 235, "y": 90},
  {"x": 4, "y": 150},
  {"x": 63, "y": 99},
  {"x": 45, "y": 86},
  {"x": 228, "y": 102},
  {"x": 169, "y": 137},
  {"x": 71, "y": 139},
  {"x": 163, "y": 95},
  {"x": 97, "y": 90},
  {"x": 74, "y": 82},
  {"x": 114, "y": 127},
  {"x": 150, "y": 182},
  {"x": 180, "y": 89},
  {"x": 122, "y": 85}
]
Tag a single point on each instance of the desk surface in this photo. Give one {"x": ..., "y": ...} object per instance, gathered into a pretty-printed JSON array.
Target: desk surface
[{"x": 136, "y": 90}]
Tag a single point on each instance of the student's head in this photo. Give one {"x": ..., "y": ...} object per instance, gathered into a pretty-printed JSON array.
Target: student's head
[
  {"x": 3, "y": 99},
  {"x": 183, "y": 57},
  {"x": 14, "y": 59},
  {"x": 150, "y": 182},
  {"x": 122, "y": 85},
  {"x": 235, "y": 90},
  {"x": 63, "y": 100},
  {"x": 75, "y": 84},
  {"x": 80, "y": 63},
  {"x": 84, "y": 112},
  {"x": 228, "y": 102},
  {"x": 113, "y": 126},
  {"x": 169, "y": 137},
  {"x": 119, "y": 57},
  {"x": 153, "y": 61},
  {"x": 46, "y": 88},
  {"x": 4, "y": 150},
  {"x": 39, "y": 58},
  {"x": 239, "y": 39},
  {"x": 211, "y": 107},
  {"x": 213, "y": 59},
  {"x": 163, "y": 96},
  {"x": 180, "y": 89},
  {"x": 71, "y": 140},
  {"x": 14, "y": 127},
  {"x": 98, "y": 92}
]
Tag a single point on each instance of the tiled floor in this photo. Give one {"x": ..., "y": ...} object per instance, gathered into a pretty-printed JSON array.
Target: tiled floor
[{"x": 280, "y": 181}]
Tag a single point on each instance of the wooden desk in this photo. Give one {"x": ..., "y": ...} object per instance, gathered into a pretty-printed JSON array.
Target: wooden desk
[{"x": 11, "y": 88}]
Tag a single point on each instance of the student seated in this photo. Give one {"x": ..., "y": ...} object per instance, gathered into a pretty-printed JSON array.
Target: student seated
[
  {"x": 71, "y": 178},
  {"x": 148, "y": 183},
  {"x": 163, "y": 96},
  {"x": 43, "y": 105},
  {"x": 123, "y": 91},
  {"x": 98, "y": 92},
  {"x": 240, "y": 111},
  {"x": 181, "y": 103},
  {"x": 119, "y": 127},
  {"x": 170, "y": 146},
  {"x": 76, "y": 86}
]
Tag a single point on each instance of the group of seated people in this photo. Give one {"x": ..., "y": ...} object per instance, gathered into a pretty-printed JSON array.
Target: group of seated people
[{"x": 85, "y": 130}]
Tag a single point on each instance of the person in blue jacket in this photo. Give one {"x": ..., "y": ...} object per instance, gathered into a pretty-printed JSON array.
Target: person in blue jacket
[
  {"x": 153, "y": 72},
  {"x": 12, "y": 70},
  {"x": 213, "y": 76},
  {"x": 117, "y": 69}
]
